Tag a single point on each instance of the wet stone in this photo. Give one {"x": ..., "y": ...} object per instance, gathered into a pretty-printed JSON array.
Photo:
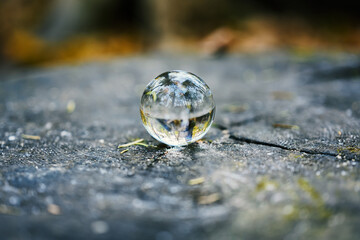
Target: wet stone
[{"x": 281, "y": 159}]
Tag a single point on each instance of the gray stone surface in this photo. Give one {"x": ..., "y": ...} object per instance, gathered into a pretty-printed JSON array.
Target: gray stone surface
[{"x": 280, "y": 162}]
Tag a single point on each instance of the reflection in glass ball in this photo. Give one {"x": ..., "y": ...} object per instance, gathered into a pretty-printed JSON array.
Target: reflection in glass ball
[{"x": 177, "y": 108}]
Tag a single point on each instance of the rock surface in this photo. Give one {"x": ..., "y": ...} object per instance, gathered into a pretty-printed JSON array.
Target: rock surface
[{"x": 281, "y": 160}]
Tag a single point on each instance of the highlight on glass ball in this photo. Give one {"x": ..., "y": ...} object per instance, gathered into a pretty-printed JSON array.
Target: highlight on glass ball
[{"x": 177, "y": 108}]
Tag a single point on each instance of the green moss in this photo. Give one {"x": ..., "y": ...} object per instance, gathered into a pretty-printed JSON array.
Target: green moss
[
  {"x": 296, "y": 156},
  {"x": 305, "y": 185},
  {"x": 355, "y": 150},
  {"x": 319, "y": 208},
  {"x": 266, "y": 184},
  {"x": 233, "y": 108}
]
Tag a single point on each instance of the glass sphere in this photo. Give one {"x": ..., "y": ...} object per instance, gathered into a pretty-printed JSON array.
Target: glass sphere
[{"x": 177, "y": 108}]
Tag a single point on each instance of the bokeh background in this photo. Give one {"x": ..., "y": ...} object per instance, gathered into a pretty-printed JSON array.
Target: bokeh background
[{"x": 48, "y": 32}]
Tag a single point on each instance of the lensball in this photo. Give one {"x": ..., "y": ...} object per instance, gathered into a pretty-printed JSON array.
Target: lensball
[{"x": 177, "y": 108}]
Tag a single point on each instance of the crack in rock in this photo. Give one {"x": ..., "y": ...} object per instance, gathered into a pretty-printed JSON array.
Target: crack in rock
[{"x": 304, "y": 150}]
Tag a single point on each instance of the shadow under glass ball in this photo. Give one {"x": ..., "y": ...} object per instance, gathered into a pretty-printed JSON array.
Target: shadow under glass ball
[{"x": 177, "y": 108}]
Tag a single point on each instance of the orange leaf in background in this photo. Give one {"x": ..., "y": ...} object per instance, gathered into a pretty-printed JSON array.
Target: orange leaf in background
[{"x": 24, "y": 47}]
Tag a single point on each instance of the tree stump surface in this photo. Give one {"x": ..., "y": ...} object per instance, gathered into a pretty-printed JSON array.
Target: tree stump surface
[{"x": 281, "y": 160}]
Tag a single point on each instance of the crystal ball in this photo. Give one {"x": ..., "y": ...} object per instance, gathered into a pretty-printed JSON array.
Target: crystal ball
[{"x": 177, "y": 108}]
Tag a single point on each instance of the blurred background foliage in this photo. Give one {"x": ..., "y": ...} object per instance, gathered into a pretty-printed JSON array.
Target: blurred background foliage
[{"x": 47, "y": 32}]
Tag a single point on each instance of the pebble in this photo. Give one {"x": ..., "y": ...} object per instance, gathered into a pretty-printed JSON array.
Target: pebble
[
  {"x": 53, "y": 209},
  {"x": 99, "y": 227},
  {"x": 12, "y": 138}
]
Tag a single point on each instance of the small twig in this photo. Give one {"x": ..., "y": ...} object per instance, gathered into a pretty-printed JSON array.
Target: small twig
[
  {"x": 209, "y": 199},
  {"x": 142, "y": 144},
  {"x": 288, "y": 126},
  {"x": 70, "y": 107},
  {"x": 124, "y": 151},
  {"x": 31, "y": 137},
  {"x": 196, "y": 181},
  {"x": 137, "y": 142}
]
